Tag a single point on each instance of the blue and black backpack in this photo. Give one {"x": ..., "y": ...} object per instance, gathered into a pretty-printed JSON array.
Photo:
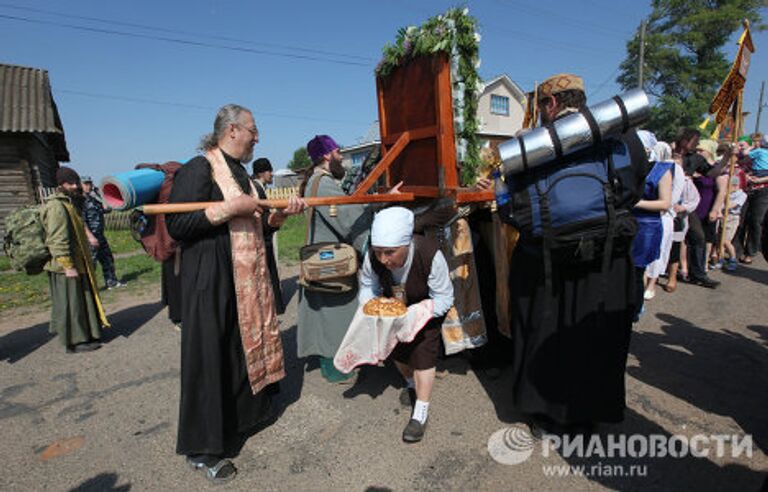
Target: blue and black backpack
[{"x": 574, "y": 209}]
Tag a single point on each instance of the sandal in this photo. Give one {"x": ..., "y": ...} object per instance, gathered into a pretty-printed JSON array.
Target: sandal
[
  {"x": 222, "y": 472},
  {"x": 747, "y": 260}
]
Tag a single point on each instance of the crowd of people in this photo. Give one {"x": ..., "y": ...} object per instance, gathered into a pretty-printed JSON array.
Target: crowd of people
[
  {"x": 569, "y": 315},
  {"x": 697, "y": 215}
]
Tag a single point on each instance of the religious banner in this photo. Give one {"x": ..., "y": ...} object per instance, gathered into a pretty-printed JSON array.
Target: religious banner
[{"x": 737, "y": 77}]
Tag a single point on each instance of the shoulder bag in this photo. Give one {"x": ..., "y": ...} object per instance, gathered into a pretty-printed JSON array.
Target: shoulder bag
[{"x": 329, "y": 267}]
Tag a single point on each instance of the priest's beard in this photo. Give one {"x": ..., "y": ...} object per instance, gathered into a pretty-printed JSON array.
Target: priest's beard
[
  {"x": 77, "y": 197},
  {"x": 337, "y": 170}
]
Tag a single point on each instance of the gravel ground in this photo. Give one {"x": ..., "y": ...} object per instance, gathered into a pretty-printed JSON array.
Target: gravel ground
[{"x": 107, "y": 420}]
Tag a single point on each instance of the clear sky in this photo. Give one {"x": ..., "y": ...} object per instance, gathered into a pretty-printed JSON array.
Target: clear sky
[{"x": 140, "y": 80}]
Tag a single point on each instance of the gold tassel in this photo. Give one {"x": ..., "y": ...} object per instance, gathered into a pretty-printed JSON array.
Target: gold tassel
[
  {"x": 704, "y": 123},
  {"x": 716, "y": 134}
]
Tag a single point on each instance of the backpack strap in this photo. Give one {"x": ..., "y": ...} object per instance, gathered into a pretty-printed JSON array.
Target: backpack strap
[
  {"x": 547, "y": 240},
  {"x": 556, "y": 143},
  {"x": 610, "y": 229},
  {"x": 624, "y": 114},
  {"x": 311, "y": 221},
  {"x": 597, "y": 138}
]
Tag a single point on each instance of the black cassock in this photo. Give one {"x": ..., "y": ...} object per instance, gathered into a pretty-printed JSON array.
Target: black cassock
[
  {"x": 569, "y": 357},
  {"x": 269, "y": 232},
  {"x": 217, "y": 404},
  {"x": 170, "y": 285}
]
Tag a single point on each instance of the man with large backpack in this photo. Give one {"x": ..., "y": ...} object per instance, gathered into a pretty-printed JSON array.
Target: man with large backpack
[
  {"x": 572, "y": 287},
  {"x": 76, "y": 311}
]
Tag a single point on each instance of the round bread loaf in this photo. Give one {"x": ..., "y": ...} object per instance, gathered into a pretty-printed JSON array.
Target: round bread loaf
[{"x": 385, "y": 307}]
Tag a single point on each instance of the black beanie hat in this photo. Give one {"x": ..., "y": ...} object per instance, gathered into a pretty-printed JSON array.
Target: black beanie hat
[
  {"x": 261, "y": 165},
  {"x": 67, "y": 175}
]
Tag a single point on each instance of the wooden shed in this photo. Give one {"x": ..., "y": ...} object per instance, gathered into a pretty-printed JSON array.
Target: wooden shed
[{"x": 31, "y": 137}]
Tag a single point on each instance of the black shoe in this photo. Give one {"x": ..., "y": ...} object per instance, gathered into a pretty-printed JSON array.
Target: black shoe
[
  {"x": 84, "y": 347},
  {"x": 705, "y": 282},
  {"x": 408, "y": 397},
  {"x": 535, "y": 430},
  {"x": 414, "y": 431}
]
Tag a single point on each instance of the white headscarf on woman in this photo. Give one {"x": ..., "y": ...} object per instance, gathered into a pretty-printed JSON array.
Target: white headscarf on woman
[
  {"x": 649, "y": 142},
  {"x": 663, "y": 151},
  {"x": 392, "y": 227}
]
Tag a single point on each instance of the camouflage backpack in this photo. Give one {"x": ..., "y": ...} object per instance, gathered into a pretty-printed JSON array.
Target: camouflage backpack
[{"x": 25, "y": 240}]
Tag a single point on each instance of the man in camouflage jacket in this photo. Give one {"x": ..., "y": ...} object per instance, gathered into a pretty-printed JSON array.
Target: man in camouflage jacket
[{"x": 93, "y": 213}]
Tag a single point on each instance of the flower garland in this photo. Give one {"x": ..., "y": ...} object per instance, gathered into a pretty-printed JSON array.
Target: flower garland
[{"x": 454, "y": 33}]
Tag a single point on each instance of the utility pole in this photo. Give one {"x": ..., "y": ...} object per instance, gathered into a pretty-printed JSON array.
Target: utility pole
[
  {"x": 759, "y": 107},
  {"x": 642, "y": 55}
]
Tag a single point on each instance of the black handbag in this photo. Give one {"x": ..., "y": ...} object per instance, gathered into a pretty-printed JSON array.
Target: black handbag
[{"x": 679, "y": 221}]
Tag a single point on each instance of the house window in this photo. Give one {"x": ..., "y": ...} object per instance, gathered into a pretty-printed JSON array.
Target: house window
[
  {"x": 499, "y": 105},
  {"x": 358, "y": 158}
]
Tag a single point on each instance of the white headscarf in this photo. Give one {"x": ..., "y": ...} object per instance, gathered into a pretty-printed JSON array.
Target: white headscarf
[
  {"x": 663, "y": 151},
  {"x": 649, "y": 142},
  {"x": 392, "y": 227}
]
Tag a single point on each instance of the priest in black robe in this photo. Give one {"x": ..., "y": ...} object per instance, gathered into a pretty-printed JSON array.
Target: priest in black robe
[
  {"x": 218, "y": 407},
  {"x": 571, "y": 333},
  {"x": 262, "y": 176}
]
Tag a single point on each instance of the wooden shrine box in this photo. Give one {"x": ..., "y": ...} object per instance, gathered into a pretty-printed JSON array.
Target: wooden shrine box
[{"x": 418, "y": 142}]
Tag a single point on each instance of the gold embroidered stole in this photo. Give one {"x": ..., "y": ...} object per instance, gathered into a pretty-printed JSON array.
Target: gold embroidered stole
[
  {"x": 253, "y": 289},
  {"x": 83, "y": 250}
]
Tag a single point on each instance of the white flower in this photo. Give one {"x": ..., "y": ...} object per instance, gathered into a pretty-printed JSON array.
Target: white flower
[
  {"x": 465, "y": 11},
  {"x": 478, "y": 37},
  {"x": 477, "y": 63},
  {"x": 410, "y": 30}
]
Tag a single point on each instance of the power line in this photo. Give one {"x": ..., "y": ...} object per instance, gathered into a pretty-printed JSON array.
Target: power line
[
  {"x": 540, "y": 13},
  {"x": 198, "y": 106},
  {"x": 539, "y": 41},
  {"x": 183, "y": 42},
  {"x": 188, "y": 33},
  {"x": 605, "y": 82}
]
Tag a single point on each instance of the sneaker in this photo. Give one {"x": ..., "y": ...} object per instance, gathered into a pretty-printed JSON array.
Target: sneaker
[
  {"x": 116, "y": 285},
  {"x": 716, "y": 265},
  {"x": 414, "y": 431},
  {"x": 731, "y": 265},
  {"x": 408, "y": 397},
  {"x": 649, "y": 294}
]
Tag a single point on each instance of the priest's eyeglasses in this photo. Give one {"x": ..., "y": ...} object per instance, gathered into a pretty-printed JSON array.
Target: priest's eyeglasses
[{"x": 254, "y": 131}]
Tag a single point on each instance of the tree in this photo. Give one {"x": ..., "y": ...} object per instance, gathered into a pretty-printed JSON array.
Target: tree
[
  {"x": 684, "y": 64},
  {"x": 300, "y": 160}
]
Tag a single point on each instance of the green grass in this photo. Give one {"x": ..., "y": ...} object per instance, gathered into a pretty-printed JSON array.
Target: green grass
[
  {"x": 122, "y": 242},
  {"x": 139, "y": 270},
  {"x": 290, "y": 239}
]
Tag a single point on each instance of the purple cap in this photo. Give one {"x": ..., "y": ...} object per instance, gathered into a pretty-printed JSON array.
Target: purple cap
[{"x": 319, "y": 146}]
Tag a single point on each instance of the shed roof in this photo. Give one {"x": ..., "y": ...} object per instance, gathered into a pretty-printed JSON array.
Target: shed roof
[{"x": 27, "y": 106}]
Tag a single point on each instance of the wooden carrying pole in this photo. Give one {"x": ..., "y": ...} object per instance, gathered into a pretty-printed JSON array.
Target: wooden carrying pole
[
  {"x": 738, "y": 127},
  {"x": 176, "y": 208}
]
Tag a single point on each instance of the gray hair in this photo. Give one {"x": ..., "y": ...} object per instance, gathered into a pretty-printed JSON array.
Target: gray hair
[{"x": 227, "y": 115}]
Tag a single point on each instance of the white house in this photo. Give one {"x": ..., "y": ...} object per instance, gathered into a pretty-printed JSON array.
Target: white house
[
  {"x": 354, "y": 155},
  {"x": 501, "y": 109}
]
